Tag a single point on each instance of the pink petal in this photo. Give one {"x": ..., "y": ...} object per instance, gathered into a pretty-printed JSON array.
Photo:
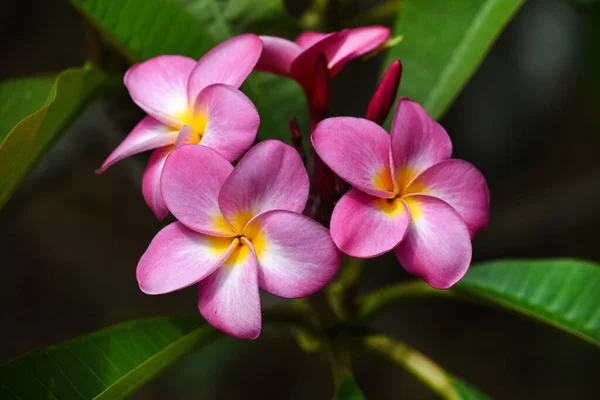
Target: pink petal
[
  {"x": 232, "y": 120},
  {"x": 296, "y": 256},
  {"x": 229, "y": 298},
  {"x": 270, "y": 176},
  {"x": 418, "y": 141},
  {"x": 230, "y": 62},
  {"x": 185, "y": 136},
  {"x": 159, "y": 87},
  {"x": 437, "y": 246},
  {"x": 365, "y": 226},
  {"x": 148, "y": 134},
  {"x": 277, "y": 55},
  {"x": 358, "y": 150},
  {"x": 357, "y": 42},
  {"x": 151, "y": 182},
  {"x": 191, "y": 180},
  {"x": 179, "y": 257},
  {"x": 309, "y": 38},
  {"x": 303, "y": 66},
  {"x": 462, "y": 186}
]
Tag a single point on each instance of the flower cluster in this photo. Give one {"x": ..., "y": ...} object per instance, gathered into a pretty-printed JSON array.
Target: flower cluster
[{"x": 244, "y": 228}]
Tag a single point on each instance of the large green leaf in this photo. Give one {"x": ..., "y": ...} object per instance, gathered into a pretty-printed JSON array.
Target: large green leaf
[
  {"x": 348, "y": 390},
  {"x": 465, "y": 391},
  {"x": 564, "y": 293},
  {"x": 108, "y": 364},
  {"x": 444, "y": 42},
  {"x": 33, "y": 113},
  {"x": 141, "y": 29}
]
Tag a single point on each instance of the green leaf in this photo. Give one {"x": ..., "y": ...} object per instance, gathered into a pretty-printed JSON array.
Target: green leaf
[
  {"x": 564, "y": 293},
  {"x": 444, "y": 43},
  {"x": 109, "y": 364},
  {"x": 33, "y": 113},
  {"x": 348, "y": 390},
  {"x": 465, "y": 391}
]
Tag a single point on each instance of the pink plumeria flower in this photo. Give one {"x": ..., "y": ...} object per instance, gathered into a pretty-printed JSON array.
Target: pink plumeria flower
[
  {"x": 239, "y": 229},
  {"x": 190, "y": 102},
  {"x": 298, "y": 60},
  {"x": 408, "y": 194}
]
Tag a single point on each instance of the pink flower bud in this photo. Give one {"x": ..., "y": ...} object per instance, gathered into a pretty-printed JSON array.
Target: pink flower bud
[{"x": 385, "y": 94}]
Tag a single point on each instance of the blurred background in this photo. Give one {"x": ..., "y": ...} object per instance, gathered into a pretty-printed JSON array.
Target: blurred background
[{"x": 529, "y": 119}]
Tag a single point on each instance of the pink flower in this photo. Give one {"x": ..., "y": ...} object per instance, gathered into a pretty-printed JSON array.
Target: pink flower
[
  {"x": 408, "y": 194},
  {"x": 190, "y": 102},
  {"x": 298, "y": 60},
  {"x": 239, "y": 229}
]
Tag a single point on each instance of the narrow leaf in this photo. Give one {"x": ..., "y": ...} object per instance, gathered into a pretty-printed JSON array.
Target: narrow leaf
[
  {"x": 348, "y": 390},
  {"x": 444, "y": 43},
  {"x": 33, "y": 113}
]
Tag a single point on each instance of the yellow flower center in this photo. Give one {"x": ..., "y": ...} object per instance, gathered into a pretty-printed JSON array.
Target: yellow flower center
[{"x": 197, "y": 122}]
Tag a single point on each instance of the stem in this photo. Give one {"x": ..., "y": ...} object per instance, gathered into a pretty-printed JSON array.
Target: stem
[
  {"x": 343, "y": 291},
  {"x": 411, "y": 360}
]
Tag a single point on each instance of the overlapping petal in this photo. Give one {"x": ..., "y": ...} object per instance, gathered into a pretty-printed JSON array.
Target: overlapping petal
[
  {"x": 357, "y": 41},
  {"x": 277, "y": 55},
  {"x": 229, "y": 298},
  {"x": 459, "y": 184},
  {"x": 365, "y": 226},
  {"x": 230, "y": 62},
  {"x": 148, "y": 134},
  {"x": 271, "y": 176},
  {"x": 296, "y": 255},
  {"x": 232, "y": 120},
  {"x": 303, "y": 66},
  {"x": 159, "y": 87},
  {"x": 151, "y": 182},
  {"x": 179, "y": 257},
  {"x": 437, "y": 246},
  {"x": 308, "y": 38},
  {"x": 358, "y": 150},
  {"x": 418, "y": 142}
]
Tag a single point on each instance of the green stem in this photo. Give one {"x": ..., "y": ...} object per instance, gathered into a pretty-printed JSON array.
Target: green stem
[{"x": 343, "y": 291}]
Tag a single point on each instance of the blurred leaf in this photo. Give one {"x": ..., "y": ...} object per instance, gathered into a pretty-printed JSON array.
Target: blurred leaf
[
  {"x": 562, "y": 292},
  {"x": 348, "y": 390},
  {"x": 109, "y": 364},
  {"x": 444, "y": 43},
  {"x": 141, "y": 29},
  {"x": 467, "y": 392},
  {"x": 33, "y": 114}
]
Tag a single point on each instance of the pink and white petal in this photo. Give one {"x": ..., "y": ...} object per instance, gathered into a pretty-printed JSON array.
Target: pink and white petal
[
  {"x": 271, "y": 176},
  {"x": 159, "y": 87},
  {"x": 229, "y": 298},
  {"x": 358, "y": 150},
  {"x": 296, "y": 256},
  {"x": 437, "y": 246},
  {"x": 309, "y": 38},
  {"x": 462, "y": 186},
  {"x": 418, "y": 142},
  {"x": 365, "y": 226},
  {"x": 191, "y": 180},
  {"x": 151, "y": 182},
  {"x": 179, "y": 257},
  {"x": 357, "y": 42},
  {"x": 185, "y": 136},
  {"x": 232, "y": 120},
  {"x": 148, "y": 134},
  {"x": 230, "y": 62},
  {"x": 277, "y": 55}
]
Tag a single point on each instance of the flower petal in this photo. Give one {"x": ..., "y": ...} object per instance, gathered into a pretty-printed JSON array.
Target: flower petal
[
  {"x": 309, "y": 38},
  {"x": 270, "y": 176},
  {"x": 437, "y": 246},
  {"x": 151, "y": 182},
  {"x": 296, "y": 256},
  {"x": 365, "y": 226},
  {"x": 230, "y": 62},
  {"x": 232, "y": 120},
  {"x": 185, "y": 136},
  {"x": 148, "y": 134},
  {"x": 418, "y": 142},
  {"x": 358, "y": 150},
  {"x": 277, "y": 55},
  {"x": 179, "y": 257},
  {"x": 358, "y": 41},
  {"x": 191, "y": 180},
  {"x": 159, "y": 87},
  {"x": 462, "y": 186},
  {"x": 229, "y": 298},
  {"x": 304, "y": 65}
]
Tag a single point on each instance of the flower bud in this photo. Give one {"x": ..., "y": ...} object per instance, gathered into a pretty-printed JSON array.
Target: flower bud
[{"x": 385, "y": 94}]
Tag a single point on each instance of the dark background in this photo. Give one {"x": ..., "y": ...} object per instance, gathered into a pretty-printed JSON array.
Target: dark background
[{"x": 70, "y": 240}]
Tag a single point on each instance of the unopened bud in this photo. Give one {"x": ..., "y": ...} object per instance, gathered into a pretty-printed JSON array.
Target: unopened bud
[
  {"x": 385, "y": 94},
  {"x": 320, "y": 93}
]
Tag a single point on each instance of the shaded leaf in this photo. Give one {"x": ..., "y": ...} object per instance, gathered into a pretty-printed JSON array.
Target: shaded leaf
[
  {"x": 467, "y": 392},
  {"x": 348, "y": 390},
  {"x": 444, "y": 43},
  {"x": 33, "y": 113}
]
